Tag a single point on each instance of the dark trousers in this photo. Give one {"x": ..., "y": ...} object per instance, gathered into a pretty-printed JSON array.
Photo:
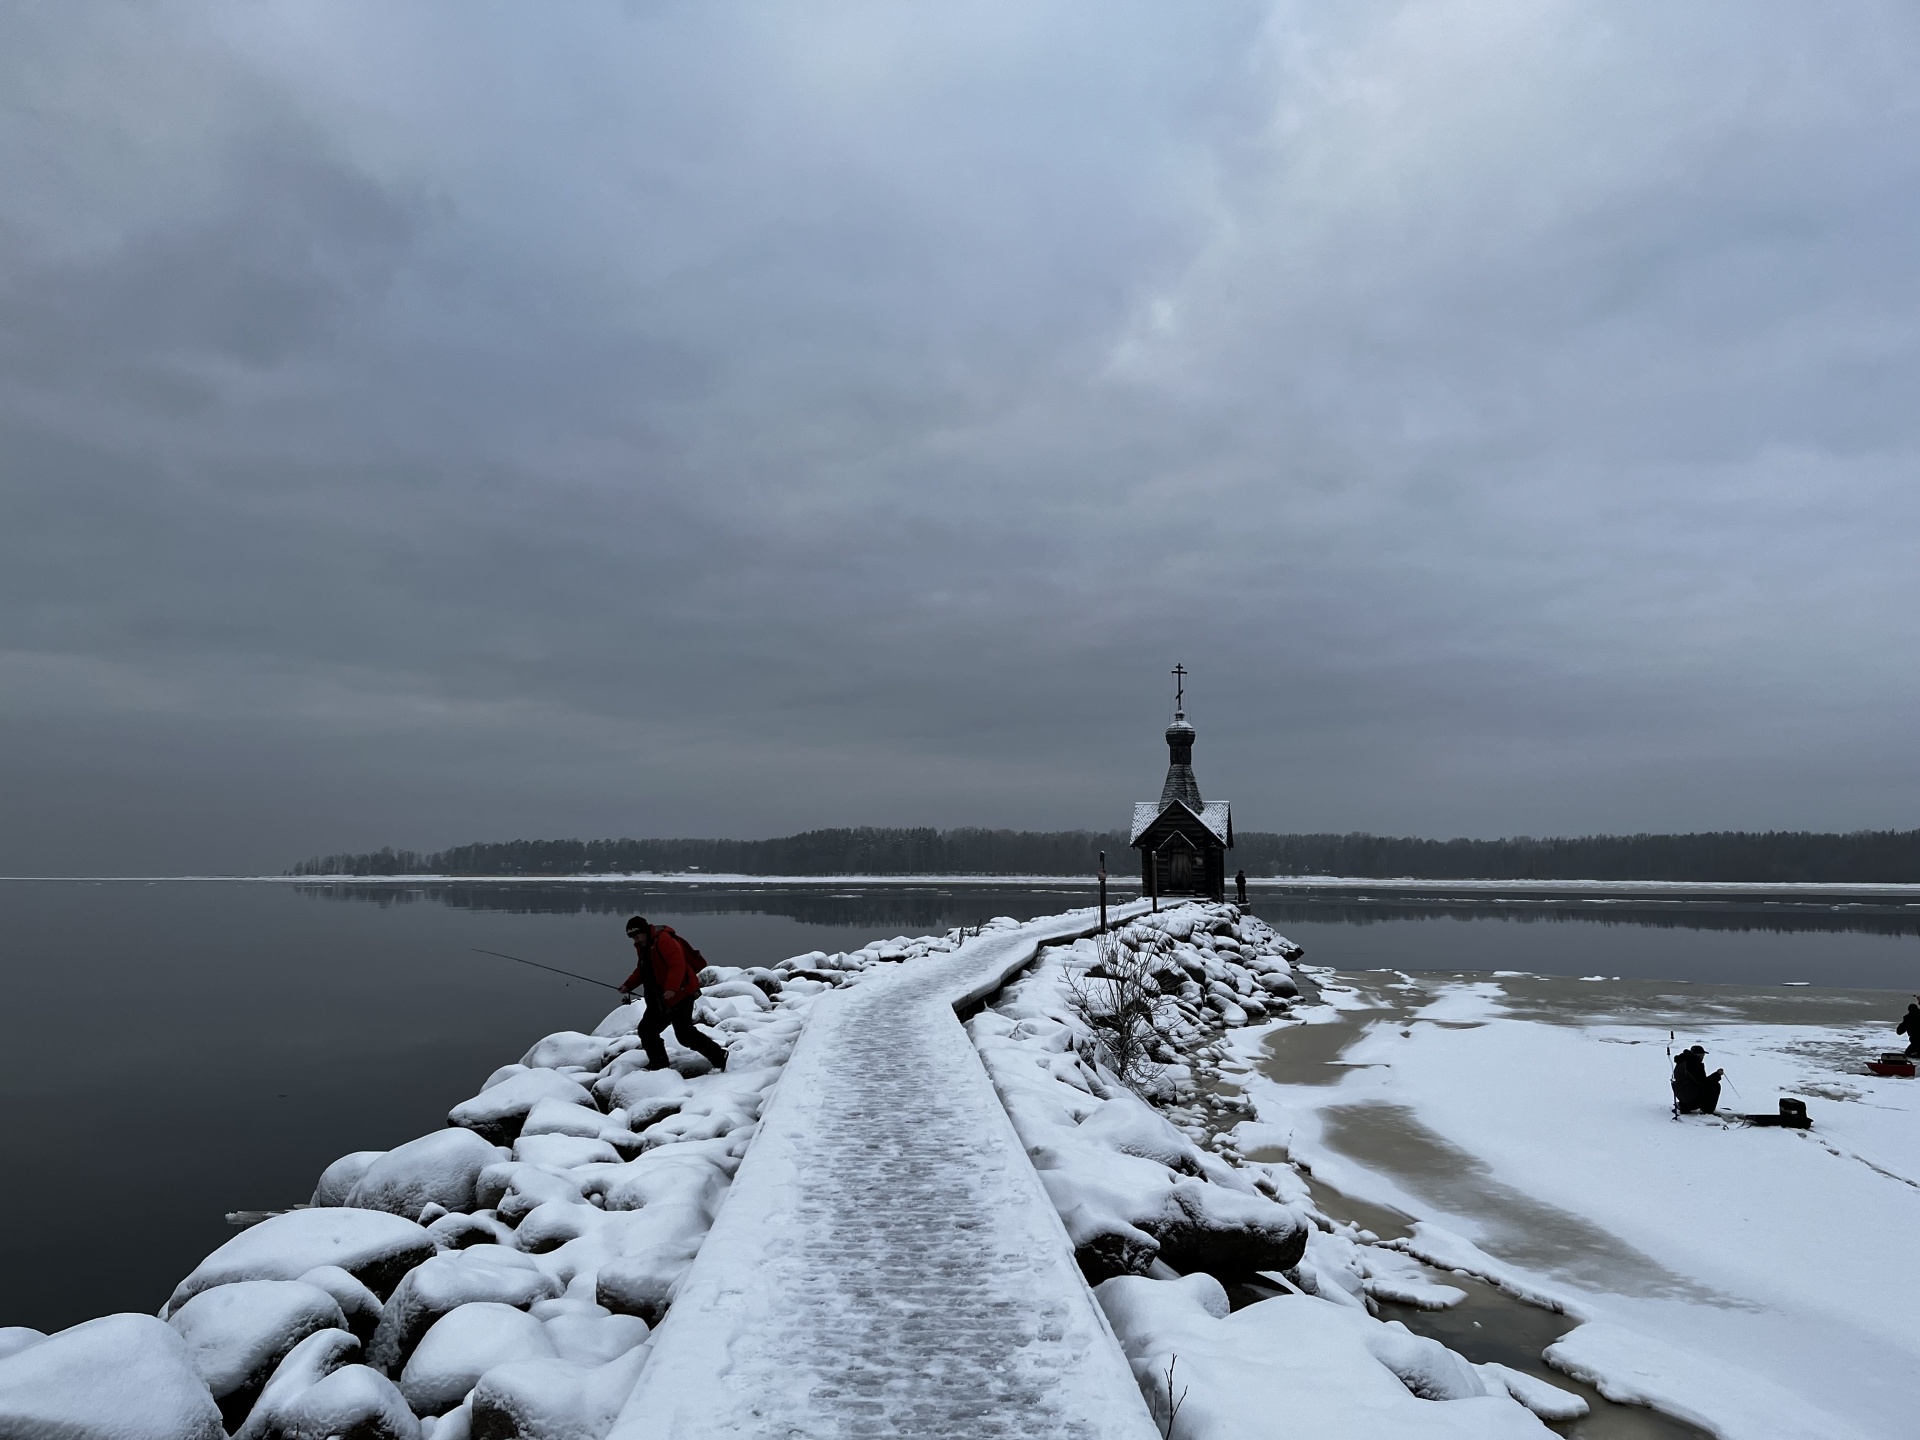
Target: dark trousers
[
  {"x": 1700, "y": 1097},
  {"x": 655, "y": 1022}
]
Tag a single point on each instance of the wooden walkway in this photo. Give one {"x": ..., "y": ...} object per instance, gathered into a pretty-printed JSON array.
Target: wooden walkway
[{"x": 887, "y": 1262}]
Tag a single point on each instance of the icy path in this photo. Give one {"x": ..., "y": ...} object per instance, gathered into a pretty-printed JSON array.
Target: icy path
[{"x": 887, "y": 1263}]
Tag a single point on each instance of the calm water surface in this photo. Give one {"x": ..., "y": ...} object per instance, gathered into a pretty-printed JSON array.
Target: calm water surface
[{"x": 173, "y": 1050}]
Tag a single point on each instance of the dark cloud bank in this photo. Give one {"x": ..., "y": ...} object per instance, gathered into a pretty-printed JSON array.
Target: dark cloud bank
[{"x": 435, "y": 422}]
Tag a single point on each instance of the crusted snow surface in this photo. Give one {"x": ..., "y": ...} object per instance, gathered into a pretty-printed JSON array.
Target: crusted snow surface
[
  {"x": 1757, "y": 1282},
  {"x": 1299, "y": 1366},
  {"x": 887, "y": 1262},
  {"x": 1163, "y": 1212}
]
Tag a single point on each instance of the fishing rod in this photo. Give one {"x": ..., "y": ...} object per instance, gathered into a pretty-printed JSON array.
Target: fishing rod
[{"x": 551, "y": 969}]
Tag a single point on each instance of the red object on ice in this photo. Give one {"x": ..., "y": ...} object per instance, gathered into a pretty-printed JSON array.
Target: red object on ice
[{"x": 1893, "y": 1064}]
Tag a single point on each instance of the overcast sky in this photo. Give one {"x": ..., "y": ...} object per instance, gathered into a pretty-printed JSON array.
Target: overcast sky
[{"x": 433, "y": 422}]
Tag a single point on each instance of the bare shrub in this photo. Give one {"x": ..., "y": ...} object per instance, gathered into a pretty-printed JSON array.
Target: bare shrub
[{"x": 1119, "y": 999}]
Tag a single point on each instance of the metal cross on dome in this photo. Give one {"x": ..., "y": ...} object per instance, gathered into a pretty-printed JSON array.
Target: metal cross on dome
[{"x": 1180, "y": 689}]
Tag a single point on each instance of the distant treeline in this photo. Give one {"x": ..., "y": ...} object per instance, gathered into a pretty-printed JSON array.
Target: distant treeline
[{"x": 1860, "y": 857}]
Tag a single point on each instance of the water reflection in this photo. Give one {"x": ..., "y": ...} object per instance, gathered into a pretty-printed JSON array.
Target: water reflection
[{"x": 921, "y": 909}]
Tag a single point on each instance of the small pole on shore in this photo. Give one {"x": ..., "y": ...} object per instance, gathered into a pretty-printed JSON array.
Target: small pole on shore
[
  {"x": 1103, "y": 892},
  {"x": 1153, "y": 878}
]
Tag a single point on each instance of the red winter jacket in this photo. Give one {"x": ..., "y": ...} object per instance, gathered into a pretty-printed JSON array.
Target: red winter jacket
[{"x": 675, "y": 965}]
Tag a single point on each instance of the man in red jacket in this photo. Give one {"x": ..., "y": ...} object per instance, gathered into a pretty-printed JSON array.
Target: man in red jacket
[{"x": 669, "y": 977}]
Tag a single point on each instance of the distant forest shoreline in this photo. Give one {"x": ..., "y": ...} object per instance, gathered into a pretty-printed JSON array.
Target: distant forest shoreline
[{"x": 1884, "y": 857}]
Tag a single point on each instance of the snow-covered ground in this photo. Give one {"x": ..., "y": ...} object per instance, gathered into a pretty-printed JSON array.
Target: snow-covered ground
[{"x": 1756, "y": 1281}]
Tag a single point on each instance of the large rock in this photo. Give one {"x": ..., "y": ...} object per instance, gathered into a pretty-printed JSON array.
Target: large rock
[
  {"x": 351, "y": 1403},
  {"x": 557, "y": 1117},
  {"x": 1225, "y": 1233},
  {"x": 305, "y": 1366},
  {"x": 359, "y": 1304},
  {"x": 643, "y": 1283},
  {"x": 553, "y": 1399},
  {"x": 373, "y": 1247},
  {"x": 498, "y": 1111},
  {"x": 236, "y": 1334},
  {"x": 646, "y": 1095},
  {"x": 1128, "y": 1124},
  {"x": 123, "y": 1377},
  {"x": 446, "y": 1282},
  {"x": 339, "y": 1178},
  {"x": 462, "y": 1346},
  {"x": 586, "y": 1335},
  {"x": 437, "y": 1169},
  {"x": 568, "y": 1048},
  {"x": 1130, "y": 1211}
]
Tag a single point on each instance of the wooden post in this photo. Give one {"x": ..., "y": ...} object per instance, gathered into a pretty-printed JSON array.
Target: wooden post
[
  {"x": 1153, "y": 877},
  {"x": 1103, "y": 892}
]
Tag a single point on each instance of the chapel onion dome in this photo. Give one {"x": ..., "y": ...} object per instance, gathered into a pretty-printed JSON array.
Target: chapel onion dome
[{"x": 1180, "y": 732}]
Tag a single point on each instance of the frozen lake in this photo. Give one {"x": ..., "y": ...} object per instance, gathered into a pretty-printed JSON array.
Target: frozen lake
[{"x": 170, "y": 1051}]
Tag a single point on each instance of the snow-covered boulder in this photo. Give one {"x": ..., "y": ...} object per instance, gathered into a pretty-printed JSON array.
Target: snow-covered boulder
[
  {"x": 122, "y": 1377},
  {"x": 691, "y": 1175},
  {"x": 554, "y": 1399},
  {"x": 621, "y": 1020},
  {"x": 561, "y": 1117},
  {"x": 586, "y": 1334},
  {"x": 370, "y": 1245},
  {"x": 309, "y": 1362},
  {"x": 351, "y": 1403},
  {"x": 554, "y": 1224},
  {"x": 339, "y": 1178},
  {"x": 514, "y": 1189},
  {"x": 1127, "y": 1124},
  {"x": 437, "y": 1169},
  {"x": 498, "y": 1111},
  {"x": 643, "y": 1282},
  {"x": 1224, "y": 1232},
  {"x": 568, "y": 1049},
  {"x": 1330, "y": 1370},
  {"x": 237, "y": 1334},
  {"x": 15, "y": 1338},
  {"x": 564, "y": 1152},
  {"x": 1123, "y": 1212},
  {"x": 359, "y": 1304},
  {"x": 646, "y": 1095},
  {"x": 446, "y": 1282},
  {"x": 462, "y": 1346}
]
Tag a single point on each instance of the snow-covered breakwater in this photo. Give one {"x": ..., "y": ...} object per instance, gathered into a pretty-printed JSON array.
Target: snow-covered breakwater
[
  {"x": 887, "y": 1259},
  {"x": 528, "y": 1246}
]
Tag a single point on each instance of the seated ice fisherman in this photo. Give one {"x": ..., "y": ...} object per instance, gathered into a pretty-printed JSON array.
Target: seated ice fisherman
[{"x": 1694, "y": 1091}]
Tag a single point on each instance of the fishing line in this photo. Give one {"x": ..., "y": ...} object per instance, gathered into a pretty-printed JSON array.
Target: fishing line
[{"x": 551, "y": 969}]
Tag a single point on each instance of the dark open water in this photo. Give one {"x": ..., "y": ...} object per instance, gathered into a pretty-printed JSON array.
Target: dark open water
[{"x": 170, "y": 1051}]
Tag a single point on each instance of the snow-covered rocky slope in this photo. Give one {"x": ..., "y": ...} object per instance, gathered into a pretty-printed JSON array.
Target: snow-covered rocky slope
[
  {"x": 1162, "y": 1209},
  {"x": 497, "y": 1277}
]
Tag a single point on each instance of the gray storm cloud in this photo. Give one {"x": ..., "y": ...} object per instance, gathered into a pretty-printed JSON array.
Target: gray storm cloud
[{"x": 443, "y": 422}]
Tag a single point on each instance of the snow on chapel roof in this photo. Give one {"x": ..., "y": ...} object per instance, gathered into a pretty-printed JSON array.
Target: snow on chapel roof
[{"x": 1217, "y": 816}]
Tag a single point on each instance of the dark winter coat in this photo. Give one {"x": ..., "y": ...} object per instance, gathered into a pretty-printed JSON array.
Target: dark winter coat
[{"x": 1693, "y": 1088}]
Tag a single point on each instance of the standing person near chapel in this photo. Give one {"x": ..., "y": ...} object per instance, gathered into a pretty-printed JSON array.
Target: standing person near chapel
[{"x": 668, "y": 976}]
